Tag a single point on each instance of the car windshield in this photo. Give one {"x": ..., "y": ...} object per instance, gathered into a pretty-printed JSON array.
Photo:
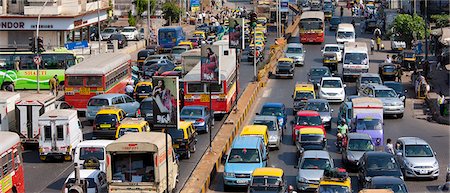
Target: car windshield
[
  {"x": 105, "y": 118},
  {"x": 385, "y": 93},
  {"x": 147, "y": 105},
  {"x": 319, "y": 72},
  {"x": 331, "y": 84},
  {"x": 371, "y": 80},
  {"x": 116, "y": 37},
  {"x": 311, "y": 138},
  {"x": 356, "y": 58},
  {"x": 124, "y": 131},
  {"x": 345, "y": 35},
  {"x": 108, "y": 30},
  {"x": 89, "y": 152},
  {"x": 91, "y": 182},
  {"x": 191, "y": 112},
  {"x": 265, "y": 189},
  {"x": 98, "y": 102},
  {"x": 334, "y": 189},
  {"x": 294, "y": 50},
  {"x": 144, "y": 89},
  {"x": 178, "y": 50},
  {"x": 319, "y": 107},
  {"x": 128, "y": 30},
  {"x": 265, "y": 181},
  {"x": 397, "y": 87},
  {"x": 332, "y": 49},
  {"x": 303, "y": 95},
  {"x": 244, "y": 156},
  {"x": 176, "y": 134},
  {"x": 389, "y": 68},
  {"x": 381, "y": 163},
  {"x": 273, "y": 111},
  {"x": 369, "y": 124},
  {"x": 418, "y": 151},
  {"x": 315, "y": 163},
  {"x": 360, "y": 145},
  {"x": 284, "y": 65},
  {"x": 270, "y": 124},
  {"x": 396, "y": 188},
  {"x": 309, "y": 120}
]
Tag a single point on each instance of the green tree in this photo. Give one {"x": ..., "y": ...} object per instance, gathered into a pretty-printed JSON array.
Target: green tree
[
  {"x": 441, "y": 20},
  {"x": 142, "y": 6},
  {"x": 171, "y": 11},
  {"x": 131, "y": 19},
  {"x": 409, "y": 27}
]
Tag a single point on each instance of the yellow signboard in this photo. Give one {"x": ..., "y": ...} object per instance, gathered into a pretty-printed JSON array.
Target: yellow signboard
[
  {"x": 204, "y": 98},
  {"x": 85, "y": 91}
]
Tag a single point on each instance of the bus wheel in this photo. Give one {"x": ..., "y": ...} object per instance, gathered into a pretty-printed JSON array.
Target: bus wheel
[{"x": 8, "y": 87}]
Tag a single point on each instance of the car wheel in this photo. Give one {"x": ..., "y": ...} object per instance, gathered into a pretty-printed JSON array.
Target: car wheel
[
  {"x": 226, "y": 188},
  {"x": 188, "y": 154},
  {"x": 194, "y": 149},
  {"x": 207, "y": 128},
  {"x": 400, "y": 115}
]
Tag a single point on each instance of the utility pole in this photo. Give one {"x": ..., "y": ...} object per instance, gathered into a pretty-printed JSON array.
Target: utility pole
[
  {"x": 36, "y": 44},
  {"x": 148, "y": 22},
  {"x": 426, "y": 30},
  {"x": 254, "y": 54},
  {"x": 98, "y": 26}
]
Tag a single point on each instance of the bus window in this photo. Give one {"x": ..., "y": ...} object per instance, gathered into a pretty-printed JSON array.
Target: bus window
[
  {"x": 7, "y": 163},
  {"x": 215, "y": 88},
  {"x": 94, "y": 81},
  {"x": 136, "y": 167},
  {"x": 75, "y": 80},
  {"x": 195, "y": 88}
]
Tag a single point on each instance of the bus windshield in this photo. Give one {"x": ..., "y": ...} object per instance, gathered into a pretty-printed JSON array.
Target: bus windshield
[{"x": 311, "y": 25}]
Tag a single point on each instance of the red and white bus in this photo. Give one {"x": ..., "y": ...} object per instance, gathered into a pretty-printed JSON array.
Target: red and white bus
[
  {"x": 223, "y": 95},
  {"x": 12, "y": 175},
  {"x": 99, "y": 74},
  {"x": 312, "y": 27}
]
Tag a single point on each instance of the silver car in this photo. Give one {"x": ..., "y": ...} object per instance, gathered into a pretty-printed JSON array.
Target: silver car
[
  {"x": 107, "y": 32},
  {"x": 323, "y": 108},
  {"x": 296, "y": 52},
  {"x": 416, "y": 157},
  {"x": 275, "y": 131},
  {"x": 311, "y": 168},
  {"x": 392, "y": 105},
  {"x": 357, "y": 145},
  {"x": 366, "y": 78},
  {"x": 176, "y": 53}
]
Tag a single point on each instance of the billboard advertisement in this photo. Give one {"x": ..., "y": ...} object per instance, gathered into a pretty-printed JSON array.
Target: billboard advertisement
[
  {"x": 236, "y": 33},
  {"x": 284, "y": 5},
  {"x": 195, "y": 5},
  {"x": 165, "y": 102},
  {"x": 210, "y": 66}
]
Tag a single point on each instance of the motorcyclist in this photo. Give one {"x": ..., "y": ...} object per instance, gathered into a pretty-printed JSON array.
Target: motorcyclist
[{"x": 342, "y": 132}]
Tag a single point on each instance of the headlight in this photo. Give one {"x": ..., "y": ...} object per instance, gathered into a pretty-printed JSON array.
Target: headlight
[
  {"x": 401, "y": 177},
  {"x": 228, "y": 174},
  {"x": 326, "y": 119},
  {"x": 273, "y": 138},
  {"x": 368, "y": 179},
  {"x": 302, "y": 179},
  {"x": 436, "y": 165},
  {"x": 342, "y": 92},
  {"x": 350, "y": 157},
  {"x": 310, "y": 80},
  {"x": 300, "y": 58}
]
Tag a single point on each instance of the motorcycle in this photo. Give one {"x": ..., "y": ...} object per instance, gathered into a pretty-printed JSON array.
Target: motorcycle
[{"x": 341, "y": 141}]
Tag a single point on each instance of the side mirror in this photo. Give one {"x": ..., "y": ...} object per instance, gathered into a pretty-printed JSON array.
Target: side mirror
[
  {"x": 292, "y": 122},
  {"x": 318, "y": 85},
  {"x": 309, "y": 74},
  {"x": 434, "y": 153},
  {"x": 292, "y": 96},
  {"x": 265, "y": 158}
]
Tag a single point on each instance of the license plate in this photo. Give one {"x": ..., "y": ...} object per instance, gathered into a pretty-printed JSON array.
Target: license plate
[
  {"x": 423, "y": 171},
  {"x": 85, "y": 91},
  {"x": 204, "y": 98},
  {"x": 313, "y": 186},
  {"x": 105, "y": 125},
  {"x": 327, "y": 60},
  {"x": 241, "y": 181},
  {"x": 176, "y": 146},
  {"x": 148, "y": 115}
]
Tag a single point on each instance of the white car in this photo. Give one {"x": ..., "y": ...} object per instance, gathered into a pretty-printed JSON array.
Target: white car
[
  {"x": 332, "y": 89},
  {"x": 131, "y": 33},
  {"x": 332, "y": 48},
  {"x": 96, "y": 181}
]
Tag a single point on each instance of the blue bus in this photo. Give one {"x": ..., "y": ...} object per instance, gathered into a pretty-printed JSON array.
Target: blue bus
[{"x": 170, "y": 36}]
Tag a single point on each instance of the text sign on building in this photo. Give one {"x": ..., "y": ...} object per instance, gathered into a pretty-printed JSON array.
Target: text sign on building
[
  {"x": 284, "y": 6},
  {"x": 76, "y": 45}
]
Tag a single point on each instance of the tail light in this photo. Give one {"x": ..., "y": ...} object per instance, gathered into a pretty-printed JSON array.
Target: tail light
[
  {"x": 138, "y": 113},
  {"x": 200, "y": 120}
]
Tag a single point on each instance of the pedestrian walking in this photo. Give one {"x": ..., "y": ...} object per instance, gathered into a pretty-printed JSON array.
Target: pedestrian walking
[
  {"x": 441, "y": 101},
  {"x": 53, "y": 82},
  {"x": 342, "y": 11},
  {"x": 388, "y": 59},
  {"x": 389, "y": 148},
  {"x": 399, "y": 73},
  {"x": 378, "y": 43},
  {"x": 372, "y": 46}
]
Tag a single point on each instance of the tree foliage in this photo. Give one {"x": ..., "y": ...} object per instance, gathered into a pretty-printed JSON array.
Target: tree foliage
[
  {"x": 409, "y": 27},
  {"x": 171, "y": 11},
  {"x": 441, "y": 20},
  {"x": 131, "y": 19},
  {"x": 142, "y": 6}
]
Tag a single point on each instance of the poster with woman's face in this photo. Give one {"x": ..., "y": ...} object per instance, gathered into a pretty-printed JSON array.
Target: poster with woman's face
[
  {"x": 210, "y": 67},
  {"x": 165, "y": 102},
  {"x": 236, "y": 33}
]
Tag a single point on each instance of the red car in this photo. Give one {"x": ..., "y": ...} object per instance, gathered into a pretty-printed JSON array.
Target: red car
[{"x": 306, "y": 119}]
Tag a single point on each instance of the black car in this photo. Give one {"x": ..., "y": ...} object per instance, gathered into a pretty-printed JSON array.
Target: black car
[
  {"x": 398, "y": 88},
  {"x": 334, "y": 22},
  {"x": 397, "y": 185},
  {"x": 375, "y": 163},
  {"x": 146, "y": 110},
  {"x": 122, "y": 40},
  {"x": 151, "y": 66},
  {"x": 316, "y": 73}
]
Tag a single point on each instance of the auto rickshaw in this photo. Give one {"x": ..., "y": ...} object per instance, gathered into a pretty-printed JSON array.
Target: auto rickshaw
[
  {"x": 388, "y": 71},
  {"x": 267, "y": 179},
  {"x": 407, "y": 59},
  {"x": 330, "y": 60}
]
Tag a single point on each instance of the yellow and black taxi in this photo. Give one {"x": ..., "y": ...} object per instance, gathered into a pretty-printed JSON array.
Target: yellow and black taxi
[
  {"x": 388, "y": 71},
  {"x": 335, "y": 180},
  {"x": 285, "y": 68},
  {"x": 267, "y": 179},
  {"x": 106, "y": 122},
  {"x": 302, "y": 92},
  {"x": 184, "y": 139},
  {"x": 143, "y": 90},
  {"x": 407, "y": 59},
  {"x": 132, "y": 125}
]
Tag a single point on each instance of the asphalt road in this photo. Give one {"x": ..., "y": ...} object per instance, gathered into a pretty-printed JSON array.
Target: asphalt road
[
  {"x": 280, "y": 90},
  {"x": 50, "y": 177}
]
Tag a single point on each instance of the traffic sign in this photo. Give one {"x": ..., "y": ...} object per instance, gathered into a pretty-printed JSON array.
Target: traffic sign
[{"x": 37, "y": 60}]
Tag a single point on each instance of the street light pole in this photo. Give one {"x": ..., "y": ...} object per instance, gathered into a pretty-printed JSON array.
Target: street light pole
[
  {"x": 36, "y": 44},
  {"x": 98, "y": 26},
  {"x": 426, "y": 29},
  {"x": 148, "y": 21},
  {"x": 254, "y": 54}
]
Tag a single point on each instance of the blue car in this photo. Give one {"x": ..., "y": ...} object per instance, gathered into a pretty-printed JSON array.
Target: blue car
[
  {"x": 275, "y": 109},
  {"x": 199, "y": 116}
]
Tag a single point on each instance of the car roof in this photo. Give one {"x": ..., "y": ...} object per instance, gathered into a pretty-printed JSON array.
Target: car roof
[
  {"x": 246, "y": 142},
  {"x": 107, "y": 96},
  {"x": 358, "y": 136},
  {"x": 86, "y": 173},
  {"x": 378, "y": 154},
  {"x": 129, "y": 27},
  {"x": 392, "y": 82},
  {"x": 331, "y": 78},
  {"x": 147, "y": 99},
  {"x": 268, "y": 171},
  {"x": 319, "y": 67},
  {"x": 194, "y": 107},
  {"x": 98, "y": 142},
  {"x": 378, "y": 86},
  {"x": 184, "y": 124},
  {"x": 295, "y": 45},
  {"x": 412, "y": 141},
  {"x": 317, "y": 101},
  {"x": 331, "y": 45},
  {"x": 386, "y": 180},
  {"x": 265, "y": 118},
  {"x": 316, "y": 154},
  {"x": 308, "y": 113},
  {"x": 369, "y": 75},
  {"x": 273, "y": 105}
]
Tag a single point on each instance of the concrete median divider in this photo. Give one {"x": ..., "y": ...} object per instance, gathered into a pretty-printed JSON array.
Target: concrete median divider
[{"x": 206, "y": 169}]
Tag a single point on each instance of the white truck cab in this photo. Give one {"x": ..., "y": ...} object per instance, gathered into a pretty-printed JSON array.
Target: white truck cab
[
  {"x": 92, "y": 149},
  {"x": 345, "y": 33},
  {"x": 355, "y": 59},
  {"x": 60, "y": 131}
]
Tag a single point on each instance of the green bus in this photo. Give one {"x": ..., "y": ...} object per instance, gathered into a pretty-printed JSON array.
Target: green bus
[{"x": 18, "y": 69}]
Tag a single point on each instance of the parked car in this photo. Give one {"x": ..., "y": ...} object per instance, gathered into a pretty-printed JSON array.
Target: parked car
[
  {"x": 131, "y": 33},
  {"x": 332, "y": 89},
  {"x": 397, "y": 185},
  {"x": 296, "y": 52},
  {"x": 121, "y": 40},
  {"x": 357, "y": 145},
  {"x": 311, "y": 167},
  {"x": 200, "y": 116},
  {"x": 122, "y": 101},
  {"x": 316, "y": 74},
  {"x": 96, "y": 181},
  {"x": 398, "y": 88},
  {"x": 375, "y": 163},
  {"x": 274, "y": 130},
  {"x": 392, "y": 105},
  {"x": 416, "y": 157},
  {"x": 323, "y": 108},
  {"x": 107, "y": 32}
]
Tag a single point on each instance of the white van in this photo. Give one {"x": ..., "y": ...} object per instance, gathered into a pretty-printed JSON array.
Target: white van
[
  {"x": 91, "y": 149},
  {"x": 60, "y": 131},
  {"x": 345, "y": 33},
  {"x": 355, "y": 60}
]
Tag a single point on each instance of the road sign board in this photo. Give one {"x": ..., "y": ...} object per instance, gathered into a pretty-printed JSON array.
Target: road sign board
[{"x": 37, "y": 60}]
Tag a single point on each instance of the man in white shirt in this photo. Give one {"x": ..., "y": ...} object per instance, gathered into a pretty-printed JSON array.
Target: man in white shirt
[
  {"x": 389, "y": 147},
  {"x": 388, "y": 59}
]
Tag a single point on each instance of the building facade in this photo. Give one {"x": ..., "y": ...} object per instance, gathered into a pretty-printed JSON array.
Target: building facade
[{"x": 61, "y": 21}]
